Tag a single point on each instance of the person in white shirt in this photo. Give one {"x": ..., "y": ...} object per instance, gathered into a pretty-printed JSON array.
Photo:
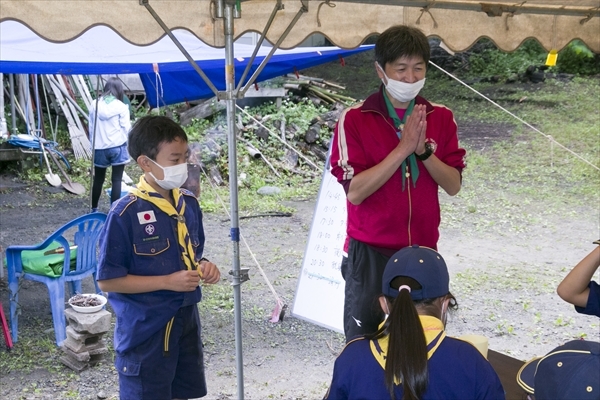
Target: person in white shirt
[{"x": 112, "y": 124}]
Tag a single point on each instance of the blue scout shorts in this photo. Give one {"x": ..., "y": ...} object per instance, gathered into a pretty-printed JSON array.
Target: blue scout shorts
[
  {"x": 104, "y": 158},
  {"x": 148, "y": 372}
]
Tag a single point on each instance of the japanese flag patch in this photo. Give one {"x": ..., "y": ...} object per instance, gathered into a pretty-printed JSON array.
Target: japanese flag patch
[{"x": 145, "y": 217}]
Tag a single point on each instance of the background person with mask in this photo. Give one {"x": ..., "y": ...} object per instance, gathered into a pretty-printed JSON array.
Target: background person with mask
[
  {"x": 410, "y": 357},
  {"x": 391, "y": 153},
  {"x": 110, "y": 144}
]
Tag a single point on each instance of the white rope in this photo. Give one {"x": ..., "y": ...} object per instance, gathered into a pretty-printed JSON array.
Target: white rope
[
  {"x": 278, "y": 138},
  {"x": 550, "y": 138},
  {"x": 262, "y": 272}
]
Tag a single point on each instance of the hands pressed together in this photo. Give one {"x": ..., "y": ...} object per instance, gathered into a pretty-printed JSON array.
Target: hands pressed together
[{"x": 414, "y": 132}]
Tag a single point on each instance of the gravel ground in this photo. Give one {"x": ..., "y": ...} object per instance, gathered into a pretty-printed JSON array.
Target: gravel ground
[{"x": 503, "y": 279}]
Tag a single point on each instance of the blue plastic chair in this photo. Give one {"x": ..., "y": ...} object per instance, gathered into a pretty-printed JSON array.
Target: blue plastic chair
[{"x": 87, "y": 233}]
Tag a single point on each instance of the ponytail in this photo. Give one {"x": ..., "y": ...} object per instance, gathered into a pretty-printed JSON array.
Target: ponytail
[
  {"x": 406, "y": 359},
  {"x": 407, "y": 350}
]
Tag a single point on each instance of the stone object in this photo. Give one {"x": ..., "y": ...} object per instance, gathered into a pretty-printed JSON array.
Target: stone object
[
  {"x": 269, "y": 191},
  {"x": 84, "y": 346},
  {"x": 98, "y": 322}
]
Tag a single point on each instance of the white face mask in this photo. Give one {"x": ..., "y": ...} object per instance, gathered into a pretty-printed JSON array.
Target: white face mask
[
  {"x": 402, "y": 91},
  {"x": 174, "y": 176}
]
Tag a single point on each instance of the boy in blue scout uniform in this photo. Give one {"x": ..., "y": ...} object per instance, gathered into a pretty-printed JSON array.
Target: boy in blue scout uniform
[
  {"x": 151, "y": 264},
  {"x": 410, "y": 356}
]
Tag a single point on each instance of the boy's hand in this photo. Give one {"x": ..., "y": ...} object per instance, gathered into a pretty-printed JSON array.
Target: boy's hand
[
  {"x": 184, "y": 281},
  {"x": 210, "y": 272}
]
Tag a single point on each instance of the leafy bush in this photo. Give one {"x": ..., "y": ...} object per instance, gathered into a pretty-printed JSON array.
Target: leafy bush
[
  {"x": 491, "y": 61},
  {"x": 487, "y": 60},
  {"x": 576, "y": 58}
]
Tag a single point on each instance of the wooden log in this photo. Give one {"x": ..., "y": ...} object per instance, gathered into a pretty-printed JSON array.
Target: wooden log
[{"x": 203, "y": 110}]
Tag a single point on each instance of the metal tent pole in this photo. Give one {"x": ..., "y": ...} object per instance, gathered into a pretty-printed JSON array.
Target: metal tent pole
[
  {"x": 93, "y": 137},
  {"x": 11, "y": 80},
  {"x": 2, "y": 116},
  {"x": 233, "y": 190}
]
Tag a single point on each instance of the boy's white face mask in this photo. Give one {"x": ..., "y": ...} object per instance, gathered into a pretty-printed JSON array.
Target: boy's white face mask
[
  {"x": 174, "y": 176},
  {"x": 402, "y": 91}
]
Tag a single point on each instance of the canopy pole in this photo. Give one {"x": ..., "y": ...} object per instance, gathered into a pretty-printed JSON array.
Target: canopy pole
[
  {"x": 11, "y": 81},
  {"x": 187, "y": 55},
  {"x": 92, "y": 134},
  {"x": 277, "y": 7},
  {"x": 264, "y": 62},
  {"x": 2, "y": 116},
  {"x": 233, "y": 192}
]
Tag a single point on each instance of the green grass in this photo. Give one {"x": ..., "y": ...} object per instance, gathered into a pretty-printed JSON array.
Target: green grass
[
  {"x": 525, "y": 177},
  {"x": 34, "y": 350}
]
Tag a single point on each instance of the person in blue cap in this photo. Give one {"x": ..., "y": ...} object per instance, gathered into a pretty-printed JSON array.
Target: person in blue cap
[
  {"x": 569, "y": 372},
  {"x": 579, "y": 289},
  {"x": 409, "y": 356},
  {"x": 151, "y": 262}
]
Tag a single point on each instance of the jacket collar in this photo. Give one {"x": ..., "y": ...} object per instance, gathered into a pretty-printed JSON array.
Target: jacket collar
[{"x": 376, "y": 102}]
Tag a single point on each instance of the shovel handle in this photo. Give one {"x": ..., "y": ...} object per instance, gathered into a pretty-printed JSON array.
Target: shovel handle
[{"x": 60, "y": 167}]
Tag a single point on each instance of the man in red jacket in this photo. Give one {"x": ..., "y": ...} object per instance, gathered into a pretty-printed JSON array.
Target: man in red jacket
[{"x": 391, "y": 153}]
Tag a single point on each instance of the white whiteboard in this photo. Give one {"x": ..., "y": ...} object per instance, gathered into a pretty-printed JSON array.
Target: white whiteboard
[{"x": 320, "y": 292}]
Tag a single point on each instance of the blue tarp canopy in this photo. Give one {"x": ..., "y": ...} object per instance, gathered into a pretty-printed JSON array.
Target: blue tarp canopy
[{"x": 163, "y": 70}]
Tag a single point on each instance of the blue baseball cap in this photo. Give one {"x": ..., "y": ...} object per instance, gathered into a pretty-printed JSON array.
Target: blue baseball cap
[
  {"x": 570, "y": 371},
  {"x": 422, "y": 264}
]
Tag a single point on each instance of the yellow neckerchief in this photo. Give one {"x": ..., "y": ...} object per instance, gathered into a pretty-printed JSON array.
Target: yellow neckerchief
[
  {"x": 432, "y": 327},
  {"x": 146, "y": 192}
]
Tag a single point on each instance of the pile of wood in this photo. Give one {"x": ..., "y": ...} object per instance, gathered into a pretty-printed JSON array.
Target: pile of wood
[{"x": 317, "y": 89}]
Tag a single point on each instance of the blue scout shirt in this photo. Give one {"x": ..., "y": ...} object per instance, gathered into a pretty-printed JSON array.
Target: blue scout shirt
[
  {"x": 593, "y": 304},
  {"x": 456, "y": 371},
  {"x": 140, "y": 239}
]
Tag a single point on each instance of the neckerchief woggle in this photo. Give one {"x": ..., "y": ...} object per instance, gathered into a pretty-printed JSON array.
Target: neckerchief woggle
[
  {"x": 399, "y": 124},
  {"x": 434, "y": 335},
  {"x": 146, "y": 192}
]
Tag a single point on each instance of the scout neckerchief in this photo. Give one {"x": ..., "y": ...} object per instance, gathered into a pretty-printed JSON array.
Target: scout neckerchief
[
  {"x": 147, "y": 192},
  {"x": 399, "y": 125},
  {"x": 108, "y": 99},
  {"x": 434, "y": 334}
]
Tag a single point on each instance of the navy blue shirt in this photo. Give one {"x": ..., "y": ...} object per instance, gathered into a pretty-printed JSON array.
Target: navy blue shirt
[
  {"x": 140, "y": 239},
  {"x": 593, "y": 304},
  {"x": 456, "y": 371}
]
